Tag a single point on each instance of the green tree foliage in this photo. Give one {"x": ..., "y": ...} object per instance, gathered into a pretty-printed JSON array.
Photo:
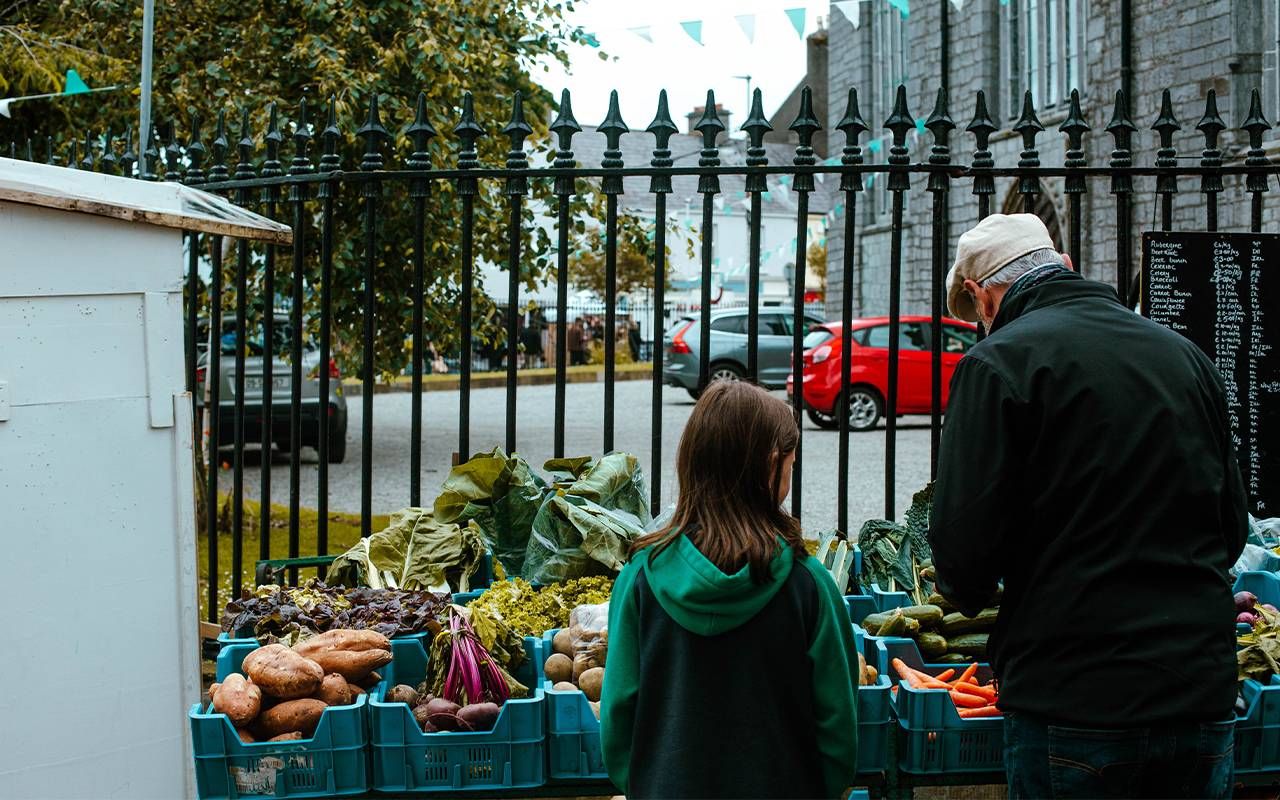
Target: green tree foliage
[{"x": 213, "y": 57}]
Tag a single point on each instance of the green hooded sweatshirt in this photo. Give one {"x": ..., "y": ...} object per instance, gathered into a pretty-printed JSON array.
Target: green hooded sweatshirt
[{"x": 718, "y": 686}]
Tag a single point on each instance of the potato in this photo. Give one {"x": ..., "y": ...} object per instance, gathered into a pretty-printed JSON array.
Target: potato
[
  {"x": 356, "y": 691},
  {"x": 334, "y": 691},
  {"x": 286, "y": 737},
  {"x": 403, "y": 694},
  {"x": 352, "y": 654},
  {"x": 563, "y": 643},
  {"x": 370, "y": 681},
  {"x": 245, "y": 736},
  {"x": 239, "y": 699},
  {"x": 213, "y": 690},
  {"x": 559, "y": 667},
  {"x": 591, "y": 682},
  {"x": 293, "y": 715},
  {"x": 862, "y": 670},
  {"x": 872, "y": 675},
  {"x": 282, "y": 673},
  {"x": 565, "y": 686}
]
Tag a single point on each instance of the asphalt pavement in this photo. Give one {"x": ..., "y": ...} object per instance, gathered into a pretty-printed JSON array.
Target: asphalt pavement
[{"x": 583, "y": 436}]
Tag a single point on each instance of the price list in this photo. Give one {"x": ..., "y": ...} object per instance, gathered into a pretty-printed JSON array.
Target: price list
[{"x": 1215, "y": 289}]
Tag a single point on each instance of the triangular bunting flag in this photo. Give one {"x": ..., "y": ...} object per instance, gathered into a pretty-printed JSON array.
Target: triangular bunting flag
[
  {"x": 643, "y": 32},
  {"x": 748, "y": 24},
  {"x": 694, "y": 29},
  {"x": 590, "y": 39},
  {"x": 796, "y": 15},
  {"x": 904, "y": 6},
  {"x": 851, "y": 10},
  {"x": 75, "y": 84}
]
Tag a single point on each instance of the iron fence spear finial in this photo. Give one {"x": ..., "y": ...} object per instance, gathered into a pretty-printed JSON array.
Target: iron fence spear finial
[
  {"x": 805, "y": 126},
  {"x": 244, "y": 148},
  {"x": 108, "y": 162},
  {"x": 710, "y": 126},
  {"x": 940, "y": 125},
  {"x": 1122, "y": 129},
  {"x": 1166, "y": 125},
  {"x": 1256, "y": 124},
  {"x": 613, "y": 127},
  {"x": 756, "y": 126},
  {"x": 129, "y": 157},
  {"x": 516, "y": 131},
  {"x": 662, "y": 128},
  {"x": 853, "y": 126},
  {"x": 195, "y": 153},
  {"x": 468, "y": 130},
  {"x": 87, "y": 162},
  {"x": 564, "y": 127},
  {"x": 1028, "y": 126},
  {"x": 1211, "y": 125},
  {"x": 899, "y": 123}
]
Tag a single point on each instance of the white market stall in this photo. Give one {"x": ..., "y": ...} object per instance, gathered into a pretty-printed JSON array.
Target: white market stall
[{"x": 101, "y": 653}]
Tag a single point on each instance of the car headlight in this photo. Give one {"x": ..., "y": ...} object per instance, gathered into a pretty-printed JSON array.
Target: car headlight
[{"x": 821, "y": 354}]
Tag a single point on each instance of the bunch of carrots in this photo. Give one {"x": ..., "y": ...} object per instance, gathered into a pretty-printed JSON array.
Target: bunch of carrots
[{"x": 972, "y": 700}]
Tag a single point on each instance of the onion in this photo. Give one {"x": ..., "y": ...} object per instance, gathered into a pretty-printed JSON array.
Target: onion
[
  {"x": 1246, "y": 617},
  {"x": 1245, "y": 601}
]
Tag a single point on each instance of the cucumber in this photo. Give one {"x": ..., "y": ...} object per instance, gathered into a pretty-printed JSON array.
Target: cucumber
[
  {"x": 956, "y": 623},
  {"x": 928, "y": 616},
  {"x": 890, "y": 623},
  {"x": 969, "y": 644},
  {"x": 953, "y": 658},
  {"x": 938, "y": 600},
  {"x": 931, "y": 645}
]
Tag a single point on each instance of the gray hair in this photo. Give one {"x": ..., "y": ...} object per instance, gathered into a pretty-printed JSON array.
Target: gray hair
[{"x": 1022, "y": 265}]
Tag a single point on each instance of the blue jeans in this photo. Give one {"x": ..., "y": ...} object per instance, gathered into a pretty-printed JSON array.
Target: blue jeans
[{"x": 1043, "y": 760}]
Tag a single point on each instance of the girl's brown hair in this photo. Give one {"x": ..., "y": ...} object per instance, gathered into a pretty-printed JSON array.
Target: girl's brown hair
[{"x": 729, "y": 465}]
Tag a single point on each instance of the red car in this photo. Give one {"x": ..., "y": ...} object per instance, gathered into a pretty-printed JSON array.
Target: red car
[{"x": 869, "y": 374}]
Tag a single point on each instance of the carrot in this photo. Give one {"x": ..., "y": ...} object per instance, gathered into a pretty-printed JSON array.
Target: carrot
[
  {"x": 985, "y": 711},
  {"x": 927, "y": 681},
  {"x": 945, "y": 675},
  {"x": 967, "y": 675},
  {"x": 964, "y": 700},
  {"x": 981, "y": 691},
  {"x": 906, "y": 673}
]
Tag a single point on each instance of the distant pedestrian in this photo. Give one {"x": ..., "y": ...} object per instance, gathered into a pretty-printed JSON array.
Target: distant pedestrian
[
  {"x": 576, "y": 343},
  {"x": 633, "y": 340}
]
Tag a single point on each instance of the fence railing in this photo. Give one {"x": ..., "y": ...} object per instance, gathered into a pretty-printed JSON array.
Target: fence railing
[{"x": 313, "y": 189}]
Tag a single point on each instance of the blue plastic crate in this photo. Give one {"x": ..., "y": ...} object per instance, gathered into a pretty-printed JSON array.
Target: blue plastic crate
[
  {"x": 573, "y": 732},
  {"x": 511, "y": 756},
  {"x": 333, "y": 762},
  {"x": 860, "y": 607},
  {"x": 935, "y": 738},
  {"x": 1257, "y": 744},
  {"x": 875, "y": 726},
  {"x": 887, "y": 601}
]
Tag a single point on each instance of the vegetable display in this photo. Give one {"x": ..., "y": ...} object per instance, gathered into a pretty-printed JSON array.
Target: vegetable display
[
  {"x": 579, "y": 654},
  {"x": 462, "y": 671},
  {"x": 281, "y": 693},
  {"x": 1259, "y": 653},
  {"x": 941, "y": 637},
  {"x": 893, "y": 554},
  {"x": 972, "y": 700},
  {"x": 530, "y": 611},
  {"x": 290, "y": 614},
  {"x": 417, "y": 551}
]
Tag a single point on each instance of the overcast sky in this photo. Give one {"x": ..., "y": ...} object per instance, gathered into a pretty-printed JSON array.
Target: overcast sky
[{"x": 638, "y": 69}]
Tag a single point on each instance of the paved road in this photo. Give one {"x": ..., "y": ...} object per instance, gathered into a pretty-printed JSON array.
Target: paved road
[{"x": 583, "y": 436}]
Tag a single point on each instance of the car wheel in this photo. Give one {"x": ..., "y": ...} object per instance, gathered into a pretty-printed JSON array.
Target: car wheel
[
  {"x": 864, "y": 408},
  {"x": 824, "y": 421},
  {"x": 338, "y": 442},
  {"x": 725, "y": 371}
]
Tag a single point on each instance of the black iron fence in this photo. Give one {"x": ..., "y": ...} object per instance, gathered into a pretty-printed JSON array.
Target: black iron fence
[{"x": 314, "y": 188}]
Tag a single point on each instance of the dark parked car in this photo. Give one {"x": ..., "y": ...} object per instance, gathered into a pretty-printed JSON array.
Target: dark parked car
[{"x": 281, "y": 377}]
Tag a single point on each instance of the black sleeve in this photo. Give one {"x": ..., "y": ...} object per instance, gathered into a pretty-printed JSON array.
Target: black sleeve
[
  {"x": 1235, "y": 501},
  {"x": 971, "y": 521}
]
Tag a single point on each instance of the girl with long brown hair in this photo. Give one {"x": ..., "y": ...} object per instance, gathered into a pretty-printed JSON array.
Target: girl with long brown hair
[{"x": 729, "y": 646}]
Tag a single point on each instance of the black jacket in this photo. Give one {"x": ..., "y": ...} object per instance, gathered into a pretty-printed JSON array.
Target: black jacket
[{"x": 1087, "y": 463}]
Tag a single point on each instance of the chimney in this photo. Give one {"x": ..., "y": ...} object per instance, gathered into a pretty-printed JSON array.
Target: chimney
[{"x": 696, "y": 114}]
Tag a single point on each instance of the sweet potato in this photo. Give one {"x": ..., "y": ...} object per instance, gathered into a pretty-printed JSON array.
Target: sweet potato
[
  {"x": 213, "y": 690},
  {"x": 245, "y": 736},
  {"x": 352, "y": 654},
  {"x": 282, "y": 673},
  {"x": 370, "y": 681},
  {"x": 335, "y": 691},
  {"x": 239, "y": 699},
  {"x": 286, "y": 737},
  {"x": 293, "y": 715}
]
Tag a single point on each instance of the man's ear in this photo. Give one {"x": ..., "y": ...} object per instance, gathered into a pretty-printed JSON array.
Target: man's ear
[{"x": 1066, "y": 259}]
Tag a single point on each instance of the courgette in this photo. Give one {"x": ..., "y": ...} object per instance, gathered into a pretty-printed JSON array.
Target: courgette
[
  {"x": 928, "y": 616},
  {"x": 956, "y": 623},
  {"x": 931, "y": 645},
  {"x": 938, "y": 600},
  {"x": 969, "y": 644},
  {"x": 890, "y": 623}
]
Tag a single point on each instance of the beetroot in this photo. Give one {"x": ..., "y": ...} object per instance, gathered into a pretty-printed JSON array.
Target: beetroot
[
  {"x": 1245, "y": 601},
  {"x": 480, "y": 716},
  {"x": 1247, "y": 617}
]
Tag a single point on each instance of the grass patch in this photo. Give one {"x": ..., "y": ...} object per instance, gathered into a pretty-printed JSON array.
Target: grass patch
[{"x": 344, "y": 531}]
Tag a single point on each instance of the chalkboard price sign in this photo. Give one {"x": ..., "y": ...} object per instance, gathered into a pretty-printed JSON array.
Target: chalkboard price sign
[{"x": 1216, "y": 289}]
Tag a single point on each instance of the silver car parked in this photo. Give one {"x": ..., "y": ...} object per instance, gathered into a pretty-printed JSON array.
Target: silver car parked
[
  {"x": 729, "y": 347},
  {"x": 281, "y": 386}
]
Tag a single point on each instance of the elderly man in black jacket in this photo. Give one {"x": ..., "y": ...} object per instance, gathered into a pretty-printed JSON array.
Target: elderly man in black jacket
[{"x": 1087, "y": 462}]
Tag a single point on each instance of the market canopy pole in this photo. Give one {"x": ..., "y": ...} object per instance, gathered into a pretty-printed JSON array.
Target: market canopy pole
[{"x": 148, "y": 33}]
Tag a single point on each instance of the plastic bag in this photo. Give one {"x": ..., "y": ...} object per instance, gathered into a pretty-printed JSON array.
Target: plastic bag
[
  {"x": 1255, "y": 558},
  {"x": 589, "y": 637}
]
